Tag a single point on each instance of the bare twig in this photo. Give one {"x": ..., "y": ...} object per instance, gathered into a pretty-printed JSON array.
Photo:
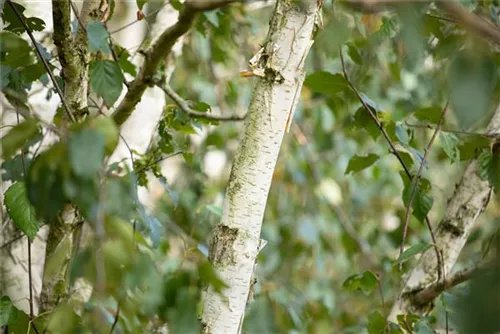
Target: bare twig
[
  {"x": 184, "y": 106},
  {"x": 416, "y": 179},
  {"x": 45, "y": 64},
  {"x": 117, "y": 316},
  {"x": 136, "y": 21}
]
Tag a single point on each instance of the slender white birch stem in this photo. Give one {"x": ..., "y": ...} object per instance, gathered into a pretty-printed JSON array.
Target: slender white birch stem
[
  {"x": 236, "y": 239},
  {"x": 464, "y": 207}
]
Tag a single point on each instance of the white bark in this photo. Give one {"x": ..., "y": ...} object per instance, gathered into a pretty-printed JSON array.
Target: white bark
[
  {"x": 236, "y": 239},
  {"x": 14, "y": 257},
  {"x": 466, "y": 204}
]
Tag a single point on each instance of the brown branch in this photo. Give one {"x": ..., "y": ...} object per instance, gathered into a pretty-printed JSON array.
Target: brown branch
[
  {"x": 373, "y": 117},
  {"x": 393, "y": 151},
  {"x": 117, "y": 316},
  {"x": 427, "y": 295},
  {"x": 157, "y": 53},
  {"x": 471, "y": 22},
  {"x": 184, "y": 106},
  {"x": 419, "y": 175}
]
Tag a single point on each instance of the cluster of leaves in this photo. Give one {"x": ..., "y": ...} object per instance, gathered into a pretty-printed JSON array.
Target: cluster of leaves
[{"x": 139, "y": 283}]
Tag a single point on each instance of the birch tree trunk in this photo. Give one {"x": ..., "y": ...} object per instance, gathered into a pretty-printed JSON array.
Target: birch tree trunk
[
  {"x": 470, "y": 198},
  {"x": 235, "y": 241}
]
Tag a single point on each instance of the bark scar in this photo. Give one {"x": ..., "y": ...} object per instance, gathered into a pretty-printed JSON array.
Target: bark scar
[{"x": 222, "y": 245}]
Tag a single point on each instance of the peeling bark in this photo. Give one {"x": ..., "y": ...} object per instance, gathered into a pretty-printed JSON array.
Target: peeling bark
[
  {"x": 235, "y": 241},
  {"x": 470, "y": 198}
]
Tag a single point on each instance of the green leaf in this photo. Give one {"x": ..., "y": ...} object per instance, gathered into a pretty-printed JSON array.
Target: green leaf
[
  {"x": 18, "y": 136},
  {"x": 423, "y": 327},
  {"x": 365, "y": 282},
  {"x": 363, "y": 120},
  {"x": 212, "y": 18},
  {"x": 8, "y": 312},
  {"x": 358, "y": 163},
  {"x": 15, "y": 25},
  {"x": 354, "y": 54},
  {"x": 98, "y": 36},
  {"x": 412, "y": 251},
  {"x": 402, "y": 134},
  {"x": 45, "y": 181},
  {"x": 472, "y": 146},
  {"x": 106, "y": 79},
  {"x": 15, "y": 51},
  {"x": 126, "y": 65},
  {"x": 141, "y": 3},
  {"x": 422, "y": 201},
  {"x": 406, "y": 157},
  {"x": 216, "y": 210},
  {"x": 489, "y": 167},
  {"x": 4, "y": 76},
  {"x": 86, "y": 153},
  {"x": 411, "y": 33},
  {"x": 472, "y": 78},
  {"x": 20, "y": 210},
  {"x": 376, "y": 323},
  {"x": 260, "y": 316},
  {"x": 326, "y": 83},
  {"x": 449, "y": 142},
  {"x": 13, "y": 169},
  {"x": 430, "y": 114}
]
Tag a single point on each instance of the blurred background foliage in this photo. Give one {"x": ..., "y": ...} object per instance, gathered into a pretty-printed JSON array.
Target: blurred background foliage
[{"x": 335, "y": 212}]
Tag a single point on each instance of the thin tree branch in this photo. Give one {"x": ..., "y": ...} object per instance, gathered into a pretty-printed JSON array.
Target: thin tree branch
[
  {"x": 393, "y": 151},
  {"x": 44, "y": 61},
  {"x": 12, "y": 241},
  {"x": 432, "y": 127},
  {"x": 184, "y": 106},
  {"x": 416, "y": 180},
  {"x": 155, "y": 55},
  {"x": 117, "y": 316},
  {"x": 136, "y": 21},
  {"x": 373, "y": 117},
  {"x": 430, "y": 293}
]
